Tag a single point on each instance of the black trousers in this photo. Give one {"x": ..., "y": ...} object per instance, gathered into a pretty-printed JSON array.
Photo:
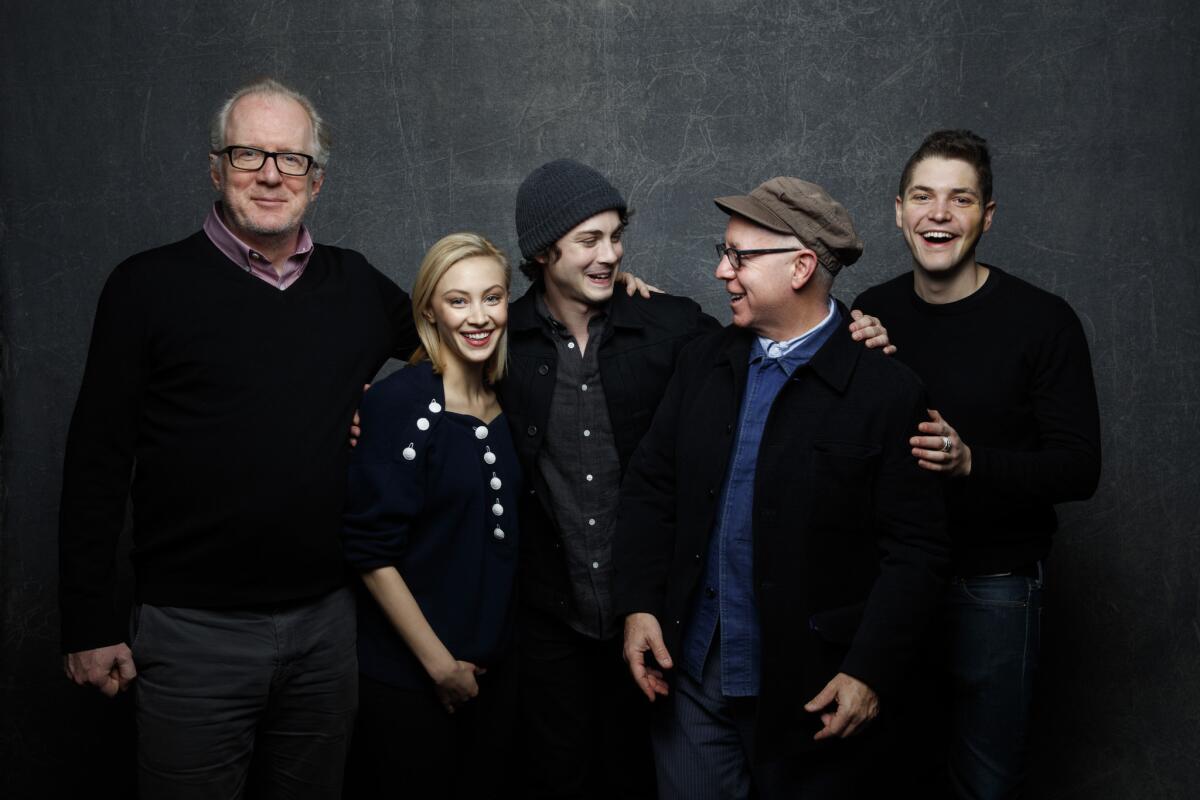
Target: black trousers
[
  {"x": 584, "y": 726},
  {"x": 407, "y": 745}
]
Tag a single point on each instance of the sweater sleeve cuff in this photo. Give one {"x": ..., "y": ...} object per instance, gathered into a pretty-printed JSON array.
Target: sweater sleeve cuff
[{"x": 88, "y": 628}]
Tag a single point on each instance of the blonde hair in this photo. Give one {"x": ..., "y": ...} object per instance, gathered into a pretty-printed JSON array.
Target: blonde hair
[
  {"x": 269, "y": 86},
  {"x": 445, "y": 253}
]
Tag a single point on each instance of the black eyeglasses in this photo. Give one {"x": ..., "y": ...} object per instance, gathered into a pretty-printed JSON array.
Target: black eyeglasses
[
  {"x": 251, "y": 159},
  {"x": 735, "y": 256}
]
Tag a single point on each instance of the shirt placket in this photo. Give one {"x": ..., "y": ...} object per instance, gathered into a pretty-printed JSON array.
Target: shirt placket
[
  {"x": 592, "y": 515},
  {"x": 738, "y": 665}
]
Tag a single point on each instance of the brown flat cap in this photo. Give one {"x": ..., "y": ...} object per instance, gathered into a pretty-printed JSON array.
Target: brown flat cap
[{"x": 790, "y": 205}]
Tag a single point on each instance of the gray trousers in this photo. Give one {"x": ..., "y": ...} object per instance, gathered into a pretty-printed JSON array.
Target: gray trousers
[{"x": 228, "y": 697}]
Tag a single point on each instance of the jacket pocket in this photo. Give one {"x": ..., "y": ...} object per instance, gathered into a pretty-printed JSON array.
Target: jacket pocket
[
  {"x": 843, "y": 481},
  {"x": 837, "y": 625}
]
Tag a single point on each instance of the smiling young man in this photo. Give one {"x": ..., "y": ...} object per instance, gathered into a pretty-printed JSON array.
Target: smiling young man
[
  {"x": 222, "y": 372},
  {"x": 587, "y": 367},
  {"x": 1013, "y": 429}
]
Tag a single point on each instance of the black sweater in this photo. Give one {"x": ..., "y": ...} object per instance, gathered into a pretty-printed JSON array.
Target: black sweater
[
  {"x": 221, "y": 404},
  {"x": 1008, "y": 367}
]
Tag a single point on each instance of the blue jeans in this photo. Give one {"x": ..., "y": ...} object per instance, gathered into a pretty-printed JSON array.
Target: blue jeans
[{"x": 994, "y": 639}]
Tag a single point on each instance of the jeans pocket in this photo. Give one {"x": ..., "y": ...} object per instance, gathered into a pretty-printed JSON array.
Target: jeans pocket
[
  {"x": 135, "y": 624},
  {"x": 1005, "y": 591}
]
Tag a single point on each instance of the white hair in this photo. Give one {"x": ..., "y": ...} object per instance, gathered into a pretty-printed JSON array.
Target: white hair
[{"x": 270, "y": 86}]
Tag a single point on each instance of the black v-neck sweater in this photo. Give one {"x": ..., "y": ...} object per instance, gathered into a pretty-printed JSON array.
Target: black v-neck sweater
[{"x": 221, "y": 405}]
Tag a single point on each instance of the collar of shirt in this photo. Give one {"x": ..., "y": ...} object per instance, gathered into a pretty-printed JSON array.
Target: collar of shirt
[
  {"x": 253, "y": 261},
  {"x": 598, "y": 322},
  {"x": 796, "y": 352}
]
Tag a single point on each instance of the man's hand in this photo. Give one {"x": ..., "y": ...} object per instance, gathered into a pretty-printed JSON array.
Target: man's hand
[
  {"x": 857, "y": 704},
  {"x": 870, "y": 331},
  {"x": 643, "y": 633},
  {"x": 356, "y": 423},
  {"x": 635, "y": 285},
  {"x": 941, "y": 450},
  {"x": 110, "y": 669}
]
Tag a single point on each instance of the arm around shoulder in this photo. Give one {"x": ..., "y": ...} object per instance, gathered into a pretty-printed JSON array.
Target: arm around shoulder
[{"x": 398, "y": 309}]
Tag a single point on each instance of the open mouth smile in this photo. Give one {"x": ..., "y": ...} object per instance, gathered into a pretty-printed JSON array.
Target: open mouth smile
[
  {"x": 599, "y": 278},
  {"x": 938, "y": 237},
  {"x": 478, "y": 338}
]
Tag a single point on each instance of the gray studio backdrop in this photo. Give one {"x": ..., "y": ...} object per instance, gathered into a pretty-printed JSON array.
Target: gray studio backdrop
[{"x": 440, "y": 108}]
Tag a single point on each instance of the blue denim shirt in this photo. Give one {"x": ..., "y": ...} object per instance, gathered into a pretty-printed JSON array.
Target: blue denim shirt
[{"x": 725, "y": 599}]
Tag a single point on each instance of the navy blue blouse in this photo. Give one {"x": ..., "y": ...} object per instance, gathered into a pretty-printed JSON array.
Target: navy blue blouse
[{"x": 434, "y": 494}]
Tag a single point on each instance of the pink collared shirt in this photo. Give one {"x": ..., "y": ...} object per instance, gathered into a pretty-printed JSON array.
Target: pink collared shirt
[{"x": 253, "y": 261}]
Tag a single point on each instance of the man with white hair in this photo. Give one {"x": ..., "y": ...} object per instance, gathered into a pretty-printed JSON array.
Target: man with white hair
[{"x": 222, "y": 375}]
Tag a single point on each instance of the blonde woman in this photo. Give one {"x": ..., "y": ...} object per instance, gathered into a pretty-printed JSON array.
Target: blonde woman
[{"x": 431, "y": 527}]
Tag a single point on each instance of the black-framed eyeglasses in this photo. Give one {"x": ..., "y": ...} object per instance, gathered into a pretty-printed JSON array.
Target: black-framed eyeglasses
[
  {"x": 735, "y": 256},
  {"x": 251, "y": 159}
]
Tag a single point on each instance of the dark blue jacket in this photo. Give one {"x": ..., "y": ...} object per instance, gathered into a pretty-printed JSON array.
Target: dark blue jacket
[{"x": 421, "y": 498}]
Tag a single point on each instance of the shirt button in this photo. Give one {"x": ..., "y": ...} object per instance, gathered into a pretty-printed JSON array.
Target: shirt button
[
  {"x": 588, "y": 476},
  {"x": 710, "y": 592},
  {"x": 543, "y": 369},
  {"x": 696, "y": 556},
  {"x": 595, "y": 565},
  {"x": 591, "y": 521},
  {"x": 583, "y": 388},
  {"x": 586, "y": 432},
  {"x": 481, "y": 432},
  {"x": 570, "y": 345},
  {"x": 531, "y": 430}
]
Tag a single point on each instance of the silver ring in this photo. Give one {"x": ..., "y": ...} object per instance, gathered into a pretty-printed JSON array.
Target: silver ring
[{"x": 946, "y": 444}]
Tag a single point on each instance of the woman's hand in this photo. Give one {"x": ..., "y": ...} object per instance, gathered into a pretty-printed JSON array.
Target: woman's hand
[{"x": 455, "y": 683}]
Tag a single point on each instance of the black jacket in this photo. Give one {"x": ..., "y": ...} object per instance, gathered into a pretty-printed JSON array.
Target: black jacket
[
  {"x": 636, "y": 361},
  {"x": 850, "y": 548}
]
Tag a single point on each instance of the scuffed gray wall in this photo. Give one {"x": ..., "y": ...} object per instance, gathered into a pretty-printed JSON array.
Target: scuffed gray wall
[{"x": 439, "y": 110}]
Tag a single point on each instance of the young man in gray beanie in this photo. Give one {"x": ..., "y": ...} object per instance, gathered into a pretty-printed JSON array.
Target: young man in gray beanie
[{"x": 587, "y": 367}]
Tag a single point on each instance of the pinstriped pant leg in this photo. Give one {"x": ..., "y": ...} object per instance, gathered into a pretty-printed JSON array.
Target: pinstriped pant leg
[{"x": 699, "y": 749}]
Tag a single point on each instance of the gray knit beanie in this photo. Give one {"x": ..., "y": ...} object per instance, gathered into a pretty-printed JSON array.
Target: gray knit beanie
[{"x": 556, "y": 197}]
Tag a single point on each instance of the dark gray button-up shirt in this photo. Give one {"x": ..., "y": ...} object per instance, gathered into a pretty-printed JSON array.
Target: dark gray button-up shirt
[{"x": 582, "y": 471}]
